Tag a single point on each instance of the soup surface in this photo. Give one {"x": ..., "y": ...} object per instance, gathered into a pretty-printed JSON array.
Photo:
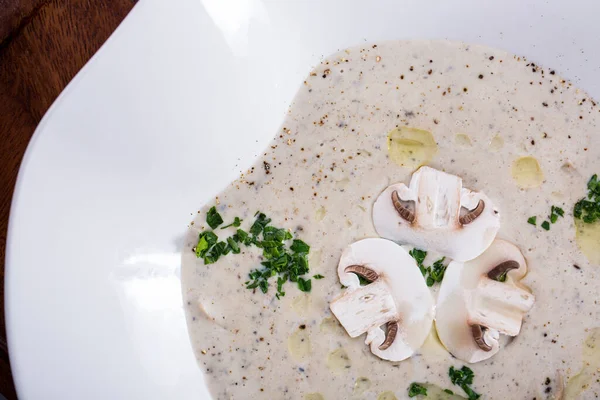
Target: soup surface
[{"x": 510, "y": 128}]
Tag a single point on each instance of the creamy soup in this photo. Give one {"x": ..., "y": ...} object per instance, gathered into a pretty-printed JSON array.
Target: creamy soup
[{"x": 508, "y": 127}]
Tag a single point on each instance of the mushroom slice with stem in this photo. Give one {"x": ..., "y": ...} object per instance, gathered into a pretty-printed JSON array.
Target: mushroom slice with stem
[
  {"x": 395, "y": 298},
  {"x": 481, "y": 299},
  {"x": 436, "y": 213}
]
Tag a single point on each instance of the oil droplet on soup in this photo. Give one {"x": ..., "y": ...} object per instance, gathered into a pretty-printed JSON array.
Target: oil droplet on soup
[
  {"x": 435, "y": 392},
  {"x": 410, "y": 147},
  {"x": 301, "y": 303},
  {"x": 338, "y": 360},
  {"x": 496, "y": 143},
  {"x": 463, "y": 140},
  {"x": 387, "y": 396},
  {"x": 314, "y": 396},
  {"x": 361, "y": 385},
  {"x": 591, "y": 363},
  {"x": 527, "y": 173},
  {"x": 588, "y": 240},
  {"x": 299, "y": 343},
  {"x": 331, "y": 325},
  {"x": 433, "y": 349}
]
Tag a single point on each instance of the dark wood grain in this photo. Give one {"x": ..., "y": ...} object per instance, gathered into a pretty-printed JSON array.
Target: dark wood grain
[{"x": 43, "y": 44}]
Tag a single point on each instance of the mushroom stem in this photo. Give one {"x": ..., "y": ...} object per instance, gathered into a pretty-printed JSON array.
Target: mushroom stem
[
  {"x": 363, "y": 271},
  {"x": 477, "y": 331},
  {"x": 404, "y": 212},
  {"x": 364, "y": 307},
  {"x": 499, "y": 272},
  {"x": 499, "y": 306},
  {"x": 472, "y": 214},
  {"x": 392, "y": 331}
]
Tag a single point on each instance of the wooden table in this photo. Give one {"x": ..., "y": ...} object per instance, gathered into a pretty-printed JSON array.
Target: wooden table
[{"x": 43, "y": 43}]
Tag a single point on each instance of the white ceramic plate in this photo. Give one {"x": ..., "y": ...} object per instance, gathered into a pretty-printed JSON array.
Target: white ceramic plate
[{"x": 180, "y": 99}]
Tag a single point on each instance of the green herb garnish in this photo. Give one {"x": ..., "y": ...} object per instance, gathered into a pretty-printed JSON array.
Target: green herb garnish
[
  {"x": 233, "y": 245},
  {"x": 213, "y": 218},
  {"x": 206, "y": 241},
  {"x": 448, "y": 391},
  {"x": 416, "y": 389},
  {"x": 558, "y": 211},
  {"x": 259, "y": 224},
  {"x": 304, "y": 284},
  {"x": 287, "y": 263},
  {"x": 419, "y": 256},
  {"x": 555, "y": 212},
  {"x": 236, "y": 223},
  {"x": 435, "y": 272},
  {"x": 463, "y": 378},
  {"x": 588, "y": 209},
  {"x": 502, "y": 277},
  {"x": 300, "y": 247},
  {"x": 218, "y": 250},
  {"x": 546, "y": 225}
]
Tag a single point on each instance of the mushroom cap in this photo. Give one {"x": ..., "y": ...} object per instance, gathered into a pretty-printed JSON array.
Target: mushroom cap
[
  {"x": 399, "y": 275},
  {"x": 467, "y": 293},
  {"x": 438, "y": 198}
]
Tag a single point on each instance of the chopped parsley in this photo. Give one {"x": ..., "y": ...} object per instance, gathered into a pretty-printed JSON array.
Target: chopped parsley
[
  {"x": 304, "y": 284},
  {"x": 362, "y": 281},
  {"x": 236, "y": 223},
  {"x": 502, "y": 277},
  {"x": 259, "y": 224},
  {"x": 436, "y": 271},
  {"x": 206, "y": 241},
  {"x": 546, "y": 225},
  {"x": 213, "y": 218},
  {"x": 448, "y": 391},
  {"x": 419, "y": 256},
  {"x": 235, "y": 248},
  {"x": 416, "y": 389},
  {"x": 588, "y": 208},
  {"x": 298, "y": 246},
  {"x": 287, "y": 261},
  {"x": 463, "y": 378},
  {"x": 555, "y": 212},
  {"x": 218, "y": 250}
]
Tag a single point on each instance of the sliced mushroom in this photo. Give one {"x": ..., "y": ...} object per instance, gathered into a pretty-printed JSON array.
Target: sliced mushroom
[
  {"x": 436, "y": 222},
  {"x": 474, "y": 308},
  {"x": 396, "y": 298}
]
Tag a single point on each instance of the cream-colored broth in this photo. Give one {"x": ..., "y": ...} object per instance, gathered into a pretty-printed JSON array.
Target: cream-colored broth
[{"x": 325, "y": 168}]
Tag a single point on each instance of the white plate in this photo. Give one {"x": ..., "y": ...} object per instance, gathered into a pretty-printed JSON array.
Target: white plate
[{"x": 179, "y": 100}]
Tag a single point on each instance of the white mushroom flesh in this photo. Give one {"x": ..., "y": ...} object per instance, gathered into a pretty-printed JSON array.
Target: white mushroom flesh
[
  {"x": 431, "y": 218},
  {"x": 468, "y": 297},
  {"x": 398, "y": 299}
]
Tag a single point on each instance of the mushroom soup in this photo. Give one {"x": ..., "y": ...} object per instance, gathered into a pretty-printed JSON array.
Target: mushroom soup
[{"x": 425, "y": 221}]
